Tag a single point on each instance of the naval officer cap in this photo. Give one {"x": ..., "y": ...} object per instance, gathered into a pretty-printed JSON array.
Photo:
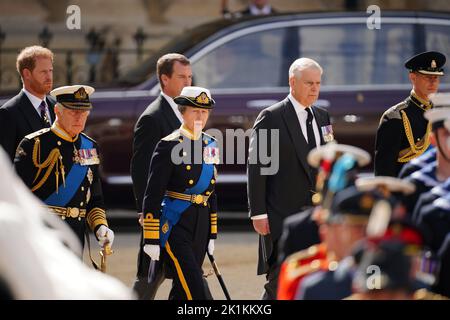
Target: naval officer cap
[
  {"x": 441, "y": 111},
  {"x": 195, "y": 97},
  {"x": 429, "y": 63},
  {"x": 74, "y": 97}
]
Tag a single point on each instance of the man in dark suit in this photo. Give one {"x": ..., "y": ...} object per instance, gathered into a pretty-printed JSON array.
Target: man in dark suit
[
  {"x": 295, "y": 127},
  {"x": 160, "y": 119},
  {"x": 403, "y": 133},
  {"x": 30, "y": 110}
]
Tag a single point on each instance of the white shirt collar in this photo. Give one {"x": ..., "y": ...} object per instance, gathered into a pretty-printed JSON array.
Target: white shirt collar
[
  {"x": 35, "y": 101},
  {"x": 267, "y": 9},
  {"x": 299, "y": 108},
  {"x": 173, "y": 105},
  {"x": 302, "y": 116}
]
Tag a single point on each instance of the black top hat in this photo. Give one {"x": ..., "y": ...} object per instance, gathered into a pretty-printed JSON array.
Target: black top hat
[{"x": 430, "y": 63}]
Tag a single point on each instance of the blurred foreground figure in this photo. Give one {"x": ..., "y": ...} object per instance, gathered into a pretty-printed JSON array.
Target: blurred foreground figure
[{"x": 37, "y": 261}]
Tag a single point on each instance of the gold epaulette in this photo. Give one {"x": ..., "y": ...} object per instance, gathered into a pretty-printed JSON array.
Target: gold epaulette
[
  {"x": 303, "y": 262},
  {"x": 36, "y": 133},
  {"x": 174, "y": 135},
  {"x": 415, "y": 149},
  {"x": 424, "y": 294},
  {"x": 303, "y": 254}
]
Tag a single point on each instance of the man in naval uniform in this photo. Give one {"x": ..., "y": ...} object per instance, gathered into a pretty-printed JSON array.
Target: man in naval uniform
[
  {"x": 180, "y": 205},
  {"x": 403, "y": 133},
  {"x": 60, "y": 165}
]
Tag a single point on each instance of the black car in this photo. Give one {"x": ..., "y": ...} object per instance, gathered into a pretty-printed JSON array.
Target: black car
[{"x": 245, "y": 65}]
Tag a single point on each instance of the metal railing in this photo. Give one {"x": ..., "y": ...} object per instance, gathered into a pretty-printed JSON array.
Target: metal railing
[{"x": 97, "y": 64}]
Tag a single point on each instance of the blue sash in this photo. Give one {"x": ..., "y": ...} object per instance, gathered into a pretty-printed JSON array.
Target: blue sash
[
  {"x": 73, "y": 181},
  {"x": 172, "y": 209}
]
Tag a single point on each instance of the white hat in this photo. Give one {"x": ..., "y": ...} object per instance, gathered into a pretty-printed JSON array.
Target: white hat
[
  {"x": 195, "y": 97},
  {"x": 391, "y": 183},
  {"x": 330, "y": 150},
  {"x": 74, "y": 97}
]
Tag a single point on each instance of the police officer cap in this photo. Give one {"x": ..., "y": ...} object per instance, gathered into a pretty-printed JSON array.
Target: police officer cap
[
  {"x": 195, "y": 97},
  {"x": 331, "y": 150},
  {"x": 430, "y": 63},
  {"x": 74, "y": 97},
  {"x": 441, "y": 111},
  {"x": 352, "y": 204}
]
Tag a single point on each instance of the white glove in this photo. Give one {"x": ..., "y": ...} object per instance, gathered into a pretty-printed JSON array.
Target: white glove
[
  {"x": 211, "y": 246},
  {"x": 105, "y": 236},
  {"x": 152, "y": 250}
]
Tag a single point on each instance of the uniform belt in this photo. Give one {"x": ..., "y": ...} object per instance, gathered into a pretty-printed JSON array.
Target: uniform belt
[
  {"x": 194, "y": 198},
  {"x": 68, "y": 212}
]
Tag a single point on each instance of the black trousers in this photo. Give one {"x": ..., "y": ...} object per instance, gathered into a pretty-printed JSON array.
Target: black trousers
[{"x": 185, "y": 252}]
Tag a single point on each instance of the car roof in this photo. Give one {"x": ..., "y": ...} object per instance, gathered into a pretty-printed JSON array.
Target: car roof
[{"x": 189, "y": 40}]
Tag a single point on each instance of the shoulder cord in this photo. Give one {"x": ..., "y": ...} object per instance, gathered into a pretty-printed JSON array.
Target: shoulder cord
[
  {"x": 49, "y": 163},
  {"x": 415, "y": 150}
]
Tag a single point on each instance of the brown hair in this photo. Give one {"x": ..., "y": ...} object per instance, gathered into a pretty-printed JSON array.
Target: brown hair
[
  {"x": 27, "y": 57},
  {"x": 165, "y": 64}
]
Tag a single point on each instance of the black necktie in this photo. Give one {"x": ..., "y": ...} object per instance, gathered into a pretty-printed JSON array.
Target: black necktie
[
  {"x": 43, "y": 111},
  {"x": 310, "y": 130}
]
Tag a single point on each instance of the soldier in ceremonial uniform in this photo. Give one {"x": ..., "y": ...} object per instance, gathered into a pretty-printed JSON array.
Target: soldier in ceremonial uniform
[
  {"x": 180, "y": 205},
  {"x": 403, "y": 133},
  {"x": 60, "y": 165},
  {"x": 336, "y": 284},
  {"x": 437, "y": 171}
]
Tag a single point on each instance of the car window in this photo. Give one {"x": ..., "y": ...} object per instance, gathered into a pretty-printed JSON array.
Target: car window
[
  {"x": 438, "y": 39},
  {"x": 251, "y": 61},
  {"x": 352, "y": 54}
]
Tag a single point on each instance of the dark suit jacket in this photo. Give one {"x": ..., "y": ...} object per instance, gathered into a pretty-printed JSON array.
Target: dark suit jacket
[
  {"x": 156, "y": 122},
  {"x": 18, "y": 118},
  {"x": 290, "y": 189},
  {"x": 300, "y": 232}
]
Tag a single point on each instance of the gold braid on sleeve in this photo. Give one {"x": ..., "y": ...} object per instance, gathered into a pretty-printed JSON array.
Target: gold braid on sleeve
[
  {"x": 49, "y": 163},
  {"x": 414, "y": 150}
]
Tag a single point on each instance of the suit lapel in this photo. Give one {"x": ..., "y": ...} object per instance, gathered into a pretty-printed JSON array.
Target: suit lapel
[
  {"x": 30, "y": 114},
  {"x": 170, "y": 116},
  {"x": 51, "y": 104},
  {"x": 321, "y": 120},
  {"x": 295, "y": 131}
]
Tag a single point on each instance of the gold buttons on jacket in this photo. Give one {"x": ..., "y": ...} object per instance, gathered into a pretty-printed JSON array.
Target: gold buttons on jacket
[
  {"x": 82, "y": 188},
  {"x": 81, "y": 204},
  {"x": 208, "y": 193},
  {"x": 213, "y": 181},
  {"x": 191, "y": 181},
  {"x": 59, "y": 143},
  {"x": 188, "y": 167}
]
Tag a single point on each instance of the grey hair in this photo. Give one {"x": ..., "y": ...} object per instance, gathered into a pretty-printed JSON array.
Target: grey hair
[
  {"x": 181, "y": 108},
  {"x": 299, "y": 65}
]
